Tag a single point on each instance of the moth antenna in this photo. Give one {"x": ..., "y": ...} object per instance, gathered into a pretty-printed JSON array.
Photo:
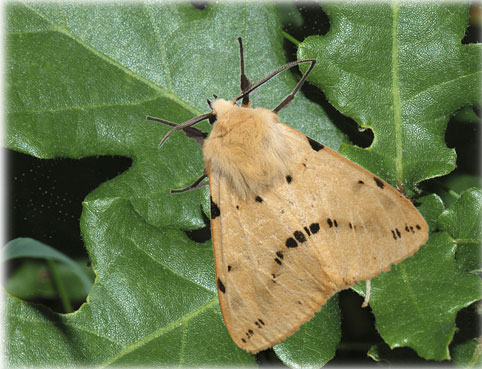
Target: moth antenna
[
  {"x": 215, "y": 96},
  {"x": 277, "y": 71},
  {"x": 197, "y": 184},
  {"x": 291, "y": 96},
  {"x": 184, "y": 125},
  {"x": 209, "y": 103},
  {"x": 245, "y": 82},
  {"x": 192, "y": 132},
  {"x": 166, "y": 122}
]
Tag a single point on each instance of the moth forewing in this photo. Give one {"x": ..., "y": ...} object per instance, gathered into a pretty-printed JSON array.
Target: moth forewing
[
  {"x": 282, "y": 253},
  {"x": 292, "y": 221}
]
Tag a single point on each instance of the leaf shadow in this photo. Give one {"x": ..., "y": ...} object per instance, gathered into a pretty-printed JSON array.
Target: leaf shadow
[{"x": 76, "y": 348}]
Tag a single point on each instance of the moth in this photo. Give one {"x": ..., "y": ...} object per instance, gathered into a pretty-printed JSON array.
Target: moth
[{"x": 292, "y": 221}]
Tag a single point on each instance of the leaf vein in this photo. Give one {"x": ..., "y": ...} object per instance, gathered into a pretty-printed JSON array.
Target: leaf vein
[
  {"x": 428, "y": 89},
  {"x": 166, "y": 267},
  {"x": 397, "y": 117},
  {"x": 162, "y": 49},
  {"x": 129, "y": 348},
  {"x": 116, "y": 64}
]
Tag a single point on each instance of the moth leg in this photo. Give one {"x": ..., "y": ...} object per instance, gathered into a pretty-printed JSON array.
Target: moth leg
[
  {"x": 291, "y": 96},
  {"x": 245, "y": 82},
  {"x": 197, "y": 184},
  {"x": 368, "y": 288},
  {"x": 195, "y": 134}
]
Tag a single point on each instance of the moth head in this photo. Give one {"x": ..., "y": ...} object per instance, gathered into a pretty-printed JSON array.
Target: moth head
[{"x": 221, "y": 107}]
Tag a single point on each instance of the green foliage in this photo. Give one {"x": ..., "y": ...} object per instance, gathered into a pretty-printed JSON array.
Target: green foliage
[
  {"x": 315, "y": 343},
  {"x": 463, "y": 221},
  {"x": 401, "y": 70},
  {"x": 82, "y": 78},
  {"x": 468, "y": 354},
  {"x": 29, "y": 248},
  {"x": 33, "y": 280}
]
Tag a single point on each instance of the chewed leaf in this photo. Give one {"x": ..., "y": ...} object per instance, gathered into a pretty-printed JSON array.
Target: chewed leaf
[
  {"x": 410, "y": 75},
  {"x": 463, "y": 221},
  {"x": 415, "y": 294},
  {"x": 81, "y": 80}
]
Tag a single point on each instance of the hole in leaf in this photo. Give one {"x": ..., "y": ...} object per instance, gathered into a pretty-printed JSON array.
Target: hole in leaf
[
  {"x": 473, "y": 33},
  {"x": 44, "y": 202},
  {"x": 199, "y": 4},
  {"x": 464, "y": 134},
  {"x": 203, "y": 234},
  {"x": 313, "y": 20},
  {"x": 300, "y": 20}
]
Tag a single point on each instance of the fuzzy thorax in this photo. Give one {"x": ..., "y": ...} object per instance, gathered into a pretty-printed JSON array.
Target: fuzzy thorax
[{"x": 247, "y": 147}]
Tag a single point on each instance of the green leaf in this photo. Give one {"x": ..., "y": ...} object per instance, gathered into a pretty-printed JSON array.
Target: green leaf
[
  {"x": 456, "y": 183},
  {"x": 468, "y": 354},
  {"x": 463, "y": 221},
  {"x": 316, "y": 341},
  {"x": 467, "y": 115},
  {"x": 32, "y": 280},
  {"x": 81, "y": 79},
  {"x": 415, "y": 304},
  {"x": 30, "y": 248},
  {"x": 400, "y": 69},
  {"x": 431, "y": 206}
]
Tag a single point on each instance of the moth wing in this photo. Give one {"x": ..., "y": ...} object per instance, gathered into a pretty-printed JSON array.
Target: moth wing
[{"x": 326, "y": 226}]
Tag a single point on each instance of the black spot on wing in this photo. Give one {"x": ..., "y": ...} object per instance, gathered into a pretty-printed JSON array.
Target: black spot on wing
[
  {"x": 278, "y": 261},
  {"x": 279, "y": 254},
  {"x": 259, "y": 199},
  {"x": 361, "y": 182},
  {"x": 229, "y": 268},
  {"x": 335, "y": 222},
  {"x": 396, "y": 234},
  {"x": 378, "y": 182},
  {"x": 314, "y": 227},
  {"x": 330, "y": 223},
  {"x": 407, "y": 229},
  {"x": 351, "y": 226},
  {"x": 289, "y": 179},
  {"x": 299, "y": 236},
  {"x": 307, "y": 231},
  {"x": 215, "y": 212},
  {"x": 221, "y": 286},
  {"x": 291, "y": 242},
  {"x": 418, "y": 227},
  {"x": 315, "y": 145}
]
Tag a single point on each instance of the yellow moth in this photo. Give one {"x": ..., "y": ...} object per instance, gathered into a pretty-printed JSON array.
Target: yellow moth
[{"x": 292, "y": 221}]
